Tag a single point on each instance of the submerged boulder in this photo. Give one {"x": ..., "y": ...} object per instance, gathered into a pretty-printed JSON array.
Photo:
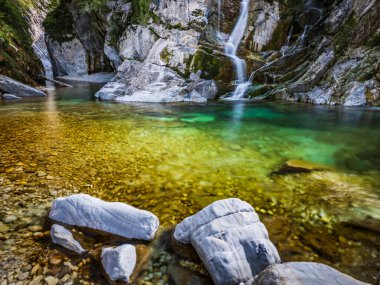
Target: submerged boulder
[
  {"x": 230, "y": 240},
  {"x": 111, "y": 217},
  {"x": 11, "y": 86},
  {"x": 301, "y": 273},
  {"x": 119, "y": 262},
  {"x": 64, "y": 237}
]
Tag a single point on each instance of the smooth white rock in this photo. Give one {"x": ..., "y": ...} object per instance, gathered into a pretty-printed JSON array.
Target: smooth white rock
[
  {"x": 64, "y": 237},
  {"x": 119, "y": 262},
  {"x": 11, "y": 86},
  {"x": 304, "y": 273},
  {"x": 112, "y": 217},
  {"x": 230, "y": 240}
]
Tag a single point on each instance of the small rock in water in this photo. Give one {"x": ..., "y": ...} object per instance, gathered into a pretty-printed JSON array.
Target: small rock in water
[
  {"x": 230, "y": 240},
  {"x": 35, "y": 228},
  {"x": 4, "y": 228},
  {"x": 300, "y": 273},
  {"x": 300, "y": 166},
  {"x": 64, "y": 237},
  {"x": 10, "y": 219},
  {"x": 112, "y": 217},
  {"x": 50, "y": 280},
  {"x": 119, "y": 262}
]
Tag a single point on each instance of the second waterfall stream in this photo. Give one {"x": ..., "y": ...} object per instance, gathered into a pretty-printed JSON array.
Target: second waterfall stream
[{"x": 231, "y": 48}]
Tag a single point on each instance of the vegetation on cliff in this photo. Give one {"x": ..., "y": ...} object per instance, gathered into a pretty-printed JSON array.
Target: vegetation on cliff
[{"x": 17, "y": 58}]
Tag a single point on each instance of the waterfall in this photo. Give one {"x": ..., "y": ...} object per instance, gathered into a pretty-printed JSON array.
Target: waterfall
[{"x": 231, "y": 48}]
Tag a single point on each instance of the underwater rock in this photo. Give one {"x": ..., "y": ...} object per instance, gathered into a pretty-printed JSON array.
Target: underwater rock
[
  {"x": 11, "y": 86},
  {"x": 300, "y": 273},
  {"x": 111, "y": 217},
  {"x": 300, "y": 166},
  {"x": 64, "y": 237},
  {"x": 10, "y": 97},
  {"x": 230, "y": 240},
  {"x": 119, "y": 262}
]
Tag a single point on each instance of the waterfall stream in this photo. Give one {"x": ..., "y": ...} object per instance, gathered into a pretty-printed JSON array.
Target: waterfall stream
[{"x": 231, "y": 48}]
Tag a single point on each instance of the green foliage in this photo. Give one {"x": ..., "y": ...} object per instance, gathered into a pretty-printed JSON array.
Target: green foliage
[
  {"x": 344, "y": 37},
  {"x": 91, "y": 6},
  {"x": 141, "y": 12},
  {"x": 17, "y": 58},
  {"x": 59, "y": 22}
]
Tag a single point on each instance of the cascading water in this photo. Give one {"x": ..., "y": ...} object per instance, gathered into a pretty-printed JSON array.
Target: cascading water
[{"x": 231, "y": 48}]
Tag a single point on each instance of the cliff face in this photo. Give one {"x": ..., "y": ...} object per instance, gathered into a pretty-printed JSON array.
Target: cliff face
[{"x": 321, "y": 52}]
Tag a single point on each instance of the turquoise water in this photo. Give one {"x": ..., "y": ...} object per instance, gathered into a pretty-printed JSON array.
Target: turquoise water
[{"x": 174, "y": 159}]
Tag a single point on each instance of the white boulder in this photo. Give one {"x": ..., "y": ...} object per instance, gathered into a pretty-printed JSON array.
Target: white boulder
[
  {"x": 230, "y": 240},
  {"x": 64, "y": 237},
  {"x": 111, "y": 217},
  {"x": 302, "y": 273},
  {"x": 11, "y": 86},
  {"x": 119, "y": 262}
]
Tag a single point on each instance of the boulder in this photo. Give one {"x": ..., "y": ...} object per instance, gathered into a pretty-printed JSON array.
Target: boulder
[
  {"x": 11, "y": 86},
  {"x": 230, "y": 240},
  {"x": 301, "y": 273},
  {"x": 119, "y": 262},
  {"x": 69, "y": 58},
  {"x": 64, "y": 237},
  {"x": 111, "y": 217}
]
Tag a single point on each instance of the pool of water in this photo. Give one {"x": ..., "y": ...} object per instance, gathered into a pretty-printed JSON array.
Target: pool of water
[{"x": 174, "y": 159}]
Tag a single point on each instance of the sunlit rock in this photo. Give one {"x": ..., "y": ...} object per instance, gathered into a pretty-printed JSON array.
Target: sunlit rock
[
  {"x": 230, "y": 240},
  {"x": 11, "y": 86},
  {"x": 300, "y": 273},
  {"x": 112, "y": 217},
  {"x": 64, "y": 237},
  {"x": 119, "y": 262}
]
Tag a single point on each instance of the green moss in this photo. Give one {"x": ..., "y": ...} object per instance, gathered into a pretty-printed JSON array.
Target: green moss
[
  {"x": 61, "y": 31},
  {"x": 17, "y": 58},
  {"x": 141, "y": 12},
  {"x": 165, "y": 55},
  {"x": 91, "y": 6},
  {"x": 208, "y": 63},
  {"x": 344, "y": 37},
  {"x": 374, "y": 41}
]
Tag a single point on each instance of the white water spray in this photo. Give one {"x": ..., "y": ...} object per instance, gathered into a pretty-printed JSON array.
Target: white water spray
[{"x": 231, "y": 48}]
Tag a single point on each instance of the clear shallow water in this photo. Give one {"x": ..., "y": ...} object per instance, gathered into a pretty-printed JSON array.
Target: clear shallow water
[{"x": 175, "y": 159}]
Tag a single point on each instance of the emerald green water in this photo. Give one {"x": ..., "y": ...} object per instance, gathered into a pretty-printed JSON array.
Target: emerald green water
[{"x": 175, "y": 159}]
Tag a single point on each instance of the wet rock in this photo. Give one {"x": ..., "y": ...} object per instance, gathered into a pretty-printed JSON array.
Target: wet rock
[
  {"x": 316, "y": 96},
  {"x": 10, "y": 219},
  {"x": 4, "y": 228},
  {"x": 359, "y": 92},
  {"x": 183, "y": 276},
  {"x": 64, "y": 237},
  {"x": 37, "y": 280},
  {"x": 119, "y": 262},
  {"x": 299, "y": 273},
  {"x": 300, "y": 166},
  {"x": 112, "y": 217},
  {"x": 50, "y": 280},
  {"x": 230, "y": 240},
  {"x": 35, "y": 228},
  {"x": 10, "y": 97},
  {"x": 11, "y": 86}
]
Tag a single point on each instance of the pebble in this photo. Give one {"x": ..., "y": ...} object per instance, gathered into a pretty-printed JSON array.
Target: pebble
[
  {"x": 55, "y": 260},
  {"x": 10, "y": 219},
  {"x": 50, "y": 280},
  {"x": 35, "y": 269},
  {"x": 38, "y": 235},
  {"x": 49, "y": 177},
  {"x": 22, "y": 276},
  {"x": 35, "y": 228},
  {"x": 4, "y": 228},
  {"x": 41, "y": 173},
  {"x": 36, "y": 280}
]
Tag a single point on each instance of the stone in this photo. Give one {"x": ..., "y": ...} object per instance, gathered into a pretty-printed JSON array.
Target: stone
[
  {"x": 37, "y": 280},
  {"x": 10, "y": 97},
  {"x": 230, "y": 240},
  {"x": 300, "y": 273},
  {"x": 100, "y": 77},
  {"x": 11, "y": 86},
  {"x": 300, "y": 166},
  {"x": 111, "y": 217},
  {"x": 317, "y": 96},
  {"x": 69, "y": 58},
  {"x": 50, "y": 280},
  {"x": 4, "y": 228},
  {"x": 65, "y": 238},
  {"x": 35, "y": 228},
  {"x": 10, "y": 219},
  {"x": 119, "y": 262}
]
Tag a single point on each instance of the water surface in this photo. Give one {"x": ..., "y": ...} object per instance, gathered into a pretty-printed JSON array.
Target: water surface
[{"x": 175, "y": 159}]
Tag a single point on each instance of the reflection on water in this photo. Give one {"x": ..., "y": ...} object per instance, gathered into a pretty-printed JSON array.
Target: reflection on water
[{"x": 175, "y": 159}]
